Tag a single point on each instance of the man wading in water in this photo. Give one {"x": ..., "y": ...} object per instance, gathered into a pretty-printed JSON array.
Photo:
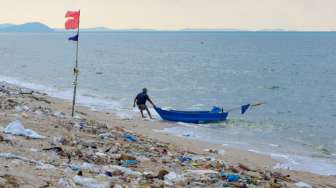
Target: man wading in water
[{"x": 141, "y": 100}]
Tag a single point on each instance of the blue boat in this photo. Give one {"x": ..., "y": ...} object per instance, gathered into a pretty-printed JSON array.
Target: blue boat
[{"x": 215, "y": 115}]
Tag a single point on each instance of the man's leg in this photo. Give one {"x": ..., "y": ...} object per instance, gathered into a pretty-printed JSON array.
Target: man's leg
[
  {"x": 149, "y": 113},
  {"x": 142, "y": 115}
]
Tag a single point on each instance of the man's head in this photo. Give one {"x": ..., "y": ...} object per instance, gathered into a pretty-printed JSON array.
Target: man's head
[{"x": 144, "y": 90}]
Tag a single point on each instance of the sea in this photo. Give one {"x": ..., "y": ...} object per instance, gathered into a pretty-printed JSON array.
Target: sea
[{"x": 294, "y": 73}]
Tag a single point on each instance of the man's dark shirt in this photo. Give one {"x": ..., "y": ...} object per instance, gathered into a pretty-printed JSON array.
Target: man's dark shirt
[{"x": 141, "y": 98}]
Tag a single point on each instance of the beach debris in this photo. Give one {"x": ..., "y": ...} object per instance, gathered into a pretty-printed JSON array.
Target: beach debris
[
  {"x": 302, "y": 185},
  {"x": 45, "y": 166},
  {"x": 244, "y": 167},
  {"x": 185, "y": 159},
  {"x": 66, "y": 182},
  {"x": 162, "y": 174},
  {"x": 59, "y": 114},
  {"x": 106, "y": 135},
  {"x": 14, "y": 156},
  {"x": 128, "y": 163},
  {"x": 172, "y": 178},
  {"x": 40, "y": 98},
  {"x": 22, "y": 108},
  {"x": 90, "y": 182},
  {"x": 7, "y": 103},
  {"x": 9, "y": 181},
  {"x": 230, "y": 176},
  {"x": 121, "y": 170},
  {"x": 108, "y": 173},
  {"x": 103, "y": 155},
  {"x": 130, "y": 138},
  {"x": 16, "y": 128}
]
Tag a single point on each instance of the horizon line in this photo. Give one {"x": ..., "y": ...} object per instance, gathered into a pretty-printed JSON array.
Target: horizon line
[{"x": 105, "y": 28}]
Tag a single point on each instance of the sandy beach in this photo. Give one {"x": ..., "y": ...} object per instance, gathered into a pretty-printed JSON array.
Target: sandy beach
[{"x": 99, "y": 149}]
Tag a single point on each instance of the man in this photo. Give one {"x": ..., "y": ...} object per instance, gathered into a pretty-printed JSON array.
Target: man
[{"x": 141, "y": 100}]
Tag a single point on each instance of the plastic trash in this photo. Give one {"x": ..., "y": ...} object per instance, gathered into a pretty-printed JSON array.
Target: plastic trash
[
  {"x": 16, "y": 128},
  {"x": 185, "y": 159},
  {"x": 127, "y": 171},
  {"x": 105, "y": 135},
  {"x": 130, "y": 138},
  {"x": 303, "y": 185},
  {"x": 172, "y": 178},
  {"x": 108, "y": 173},
  {"x": 201, "y": 172},
  {"x": 126, "y": 163},
  {"x": 66, "y": 183},
  {"x": 21, "y": 109},
  {"x": 89, "y": 167},
  {"x": 222, "y": 173},
  {"x": 232, "y": 177},
  {"x": 229, "y": 177},
  {"x": 82, "y": 125},
  {"x": 74, "y": 167},
  {"x": 13, "y": 156},
  {"x": 90, "y": 182},
  {"x": 45, "y": 167},
  {"x": 60, "y": 114}
]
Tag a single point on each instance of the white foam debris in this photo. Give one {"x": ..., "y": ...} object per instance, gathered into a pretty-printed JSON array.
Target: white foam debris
[{"x": 16, "y": 128}]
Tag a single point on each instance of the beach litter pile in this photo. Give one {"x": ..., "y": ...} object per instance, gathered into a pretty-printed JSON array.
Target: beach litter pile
[{"x": 88, "y": 153}]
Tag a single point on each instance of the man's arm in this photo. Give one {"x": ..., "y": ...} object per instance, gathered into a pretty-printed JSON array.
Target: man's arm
[
  {"x": 135, "y": 99},
  {"x": 151, "y": 102}
]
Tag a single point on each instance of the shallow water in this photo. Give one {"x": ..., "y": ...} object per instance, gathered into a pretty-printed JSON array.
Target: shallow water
[{"x": 293, "y": 72}]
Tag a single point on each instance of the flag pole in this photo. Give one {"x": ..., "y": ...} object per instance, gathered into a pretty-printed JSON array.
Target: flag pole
[{"x": 76, "y": 72}]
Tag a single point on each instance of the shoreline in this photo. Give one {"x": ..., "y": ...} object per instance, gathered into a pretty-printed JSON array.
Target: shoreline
[{"x": 150, "y": 130}]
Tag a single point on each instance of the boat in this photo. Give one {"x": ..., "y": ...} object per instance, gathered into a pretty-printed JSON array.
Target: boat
[{"x": 214, "y": 115}]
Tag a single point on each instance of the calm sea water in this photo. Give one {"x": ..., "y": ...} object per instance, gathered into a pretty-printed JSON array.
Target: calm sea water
[{"x": 293, "y": 72}]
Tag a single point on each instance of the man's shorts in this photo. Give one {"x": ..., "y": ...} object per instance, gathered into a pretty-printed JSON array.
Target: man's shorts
[{"x": 142, "y": 106}]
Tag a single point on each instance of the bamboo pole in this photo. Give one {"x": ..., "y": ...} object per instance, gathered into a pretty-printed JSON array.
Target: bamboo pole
[{"x": 76, "y": 72}]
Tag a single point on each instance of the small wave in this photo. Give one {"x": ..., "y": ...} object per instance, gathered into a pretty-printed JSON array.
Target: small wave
[
  {"x": 83, "y": 98},
  {"x": 308, "y": 164}
]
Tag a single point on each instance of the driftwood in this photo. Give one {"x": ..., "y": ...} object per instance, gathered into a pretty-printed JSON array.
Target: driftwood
[{"x": 40, "y": 99}]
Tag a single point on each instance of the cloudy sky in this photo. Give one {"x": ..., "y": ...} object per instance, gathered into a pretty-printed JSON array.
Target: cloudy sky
[{"x": 314, "y": 15}]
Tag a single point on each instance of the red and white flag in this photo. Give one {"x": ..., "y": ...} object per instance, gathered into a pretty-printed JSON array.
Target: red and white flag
[{"x": 73, "y": 20}]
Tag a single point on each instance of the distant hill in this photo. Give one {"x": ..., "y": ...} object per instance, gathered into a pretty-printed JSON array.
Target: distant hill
[
  {"x": 27, "y": 27},
  {"x": 214, "y": 30},
  {"x": 6, "y": 25}
]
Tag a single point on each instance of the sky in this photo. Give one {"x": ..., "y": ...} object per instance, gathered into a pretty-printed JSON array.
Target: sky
[{"x": 304, "y": 15}]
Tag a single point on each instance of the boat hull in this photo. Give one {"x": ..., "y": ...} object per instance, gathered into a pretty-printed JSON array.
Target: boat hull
[{"x": 192, "y": 116}]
